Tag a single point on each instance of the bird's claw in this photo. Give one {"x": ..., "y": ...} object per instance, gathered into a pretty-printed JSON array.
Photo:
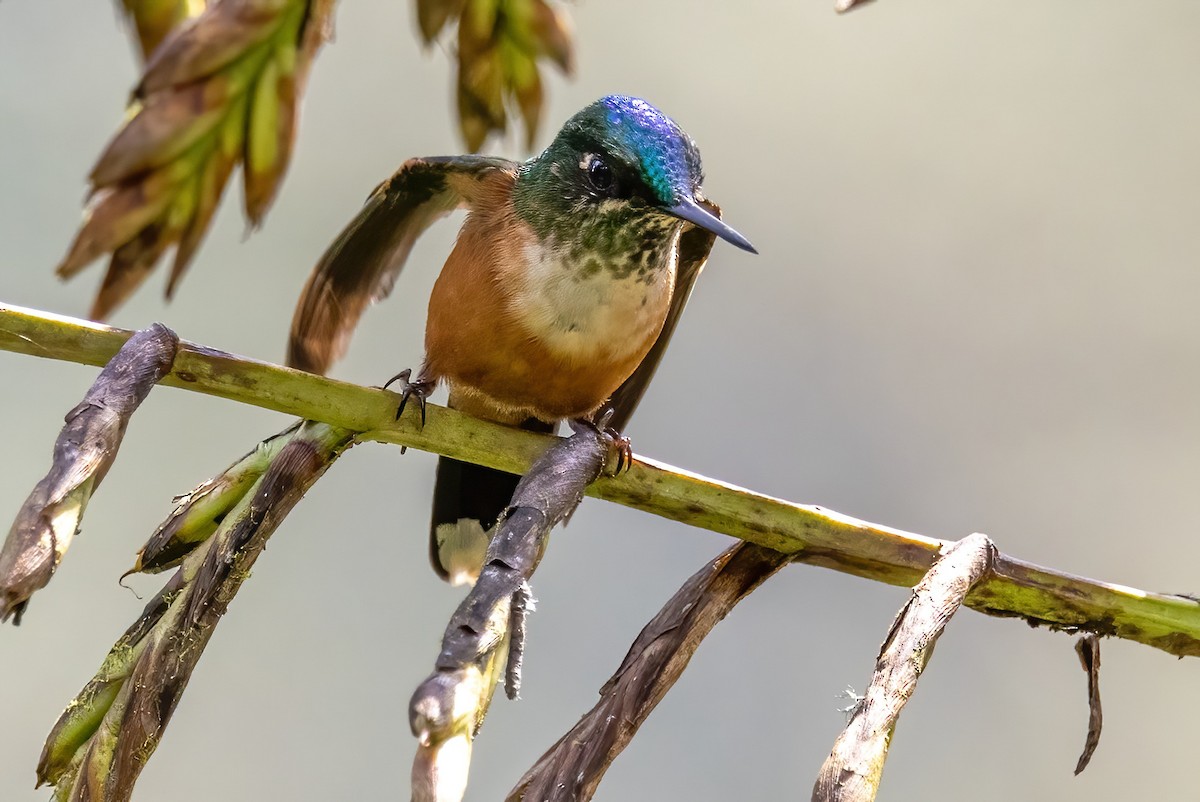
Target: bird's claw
[
  {"x": 624, "y": 451},
  {"x": 417, "y": 390},
  {"x": 618, "y": 441}
]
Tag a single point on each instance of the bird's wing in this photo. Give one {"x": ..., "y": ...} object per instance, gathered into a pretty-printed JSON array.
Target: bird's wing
[
  {"x": 694, "y": 246},
  {"x": 361, "y": 265}
]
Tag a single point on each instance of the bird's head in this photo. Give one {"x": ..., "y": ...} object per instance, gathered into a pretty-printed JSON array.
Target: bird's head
[{"x": 619, "y": 165}]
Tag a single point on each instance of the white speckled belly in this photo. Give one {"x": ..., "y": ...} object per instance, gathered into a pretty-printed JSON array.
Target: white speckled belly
[{"x": 584, "y": 315}]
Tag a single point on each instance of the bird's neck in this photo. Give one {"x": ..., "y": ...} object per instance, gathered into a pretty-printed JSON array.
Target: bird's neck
[
  {"x": 597, "y": 307},
  {"x": 612, "y": 236}
]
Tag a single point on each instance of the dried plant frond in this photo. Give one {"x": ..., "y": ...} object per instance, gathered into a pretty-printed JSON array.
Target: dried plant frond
[
  {"x": 84, "y": 451},
  {"x": 854, "y": 768},
  {"x": 484, "y": 642},
  {"x": 198, "y": 513},
  {"x": 100, "y": 743},
  {"x": 222, "y": 90},
  {"x": 500, "y": 45},
  {"x": 574, "y": 766}
]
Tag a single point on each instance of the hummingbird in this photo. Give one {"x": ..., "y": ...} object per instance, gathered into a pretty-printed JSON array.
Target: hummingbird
[{"x": 556, "y": 303}]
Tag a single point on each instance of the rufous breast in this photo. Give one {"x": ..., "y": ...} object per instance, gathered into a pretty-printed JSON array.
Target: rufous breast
[{"x": 520, "y": 329}]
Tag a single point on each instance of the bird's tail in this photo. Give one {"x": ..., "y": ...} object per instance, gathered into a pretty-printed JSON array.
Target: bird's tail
[{"x": 467, "y": 501}]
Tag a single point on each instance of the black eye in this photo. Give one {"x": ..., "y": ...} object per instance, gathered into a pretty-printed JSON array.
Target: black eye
[{"x": 599, "y": 174}]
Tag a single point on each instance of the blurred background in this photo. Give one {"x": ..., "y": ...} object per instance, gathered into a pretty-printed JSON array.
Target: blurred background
[{"x": 974, "y": 311}]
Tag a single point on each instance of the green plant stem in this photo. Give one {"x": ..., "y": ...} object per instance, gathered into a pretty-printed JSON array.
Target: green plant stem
[{"x": 810, "y": 534}]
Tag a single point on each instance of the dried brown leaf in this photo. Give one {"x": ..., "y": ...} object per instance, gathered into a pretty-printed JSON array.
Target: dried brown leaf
[
  {"x": 211, "y": 185},
  {"x": 117, "y": 214},
  {"x": 481, "y": 73},
  {"x": 499, "y": 47},
  {"x": 432, "y": 16},
  {"x": 221, "y": 90},
  {"x": 1088, "y": 649},
  {"x": 530, "y": 99},
  {"x": 480, "y": 83},
  {"x": 214, "y": 40},
  {"x": 318, "y": 29},
  {"x": 551, "y": 29},
  {"x": 84, "y": 450},
  {"x": 574, "y": 766},
  {"x": 131, "y": 264},
  {"x": 473, "y": 121},
  {"x": 164, "y": 128},
  {"x": 270, "y": 132}
]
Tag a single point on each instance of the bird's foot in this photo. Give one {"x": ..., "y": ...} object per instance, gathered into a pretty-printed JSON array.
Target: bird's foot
[
  {"x": 417, "y": 390},
  {"x": 616, "y": 440}
]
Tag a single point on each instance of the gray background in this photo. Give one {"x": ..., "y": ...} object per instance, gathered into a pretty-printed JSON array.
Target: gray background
[{"x": 973, "y": 311}]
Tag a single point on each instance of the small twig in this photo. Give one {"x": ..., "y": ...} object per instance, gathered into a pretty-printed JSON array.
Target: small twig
[
  {"x": 485, "y": 639},
  {"x": 853, "y": 769},
  {"x": 1088, "y": 649},
  {"x": 84, "y": 451},
  {"x": 522, "y": 606},
  {"x": 574, "y": 766}
]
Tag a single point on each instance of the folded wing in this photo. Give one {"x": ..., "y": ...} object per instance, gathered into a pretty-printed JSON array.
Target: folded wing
[
  {"x": 694, "y": 246},
  {"x": 362, "y": 264}
]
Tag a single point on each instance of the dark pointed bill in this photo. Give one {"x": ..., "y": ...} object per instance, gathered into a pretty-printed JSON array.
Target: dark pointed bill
[{"x": 688, "y": 209}]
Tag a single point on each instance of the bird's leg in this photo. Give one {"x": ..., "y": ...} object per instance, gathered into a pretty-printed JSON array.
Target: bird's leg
[
  {"x": 418, "y": 390},
  {"x": 617, "y": 440}
]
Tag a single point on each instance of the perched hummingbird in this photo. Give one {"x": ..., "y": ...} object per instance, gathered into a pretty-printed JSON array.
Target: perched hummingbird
[{"x": 566, "y": 282}]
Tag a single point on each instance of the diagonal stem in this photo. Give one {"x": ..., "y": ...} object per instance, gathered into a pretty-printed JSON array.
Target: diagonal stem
[
  {"x": 573, "y": 767},
  {"x": 853, "y": 769}
]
